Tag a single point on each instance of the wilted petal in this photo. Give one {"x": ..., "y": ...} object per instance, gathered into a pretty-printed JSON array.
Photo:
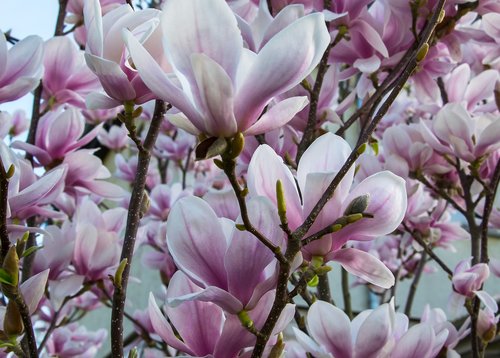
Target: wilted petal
[{"x": 364, "y": 265}]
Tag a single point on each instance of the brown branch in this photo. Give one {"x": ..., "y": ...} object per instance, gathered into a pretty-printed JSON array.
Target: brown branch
[
  {"x": 61, "y": 15},
  {"x": 229, "y": 170},
  {"x": 414, "y": 284},
  {"x": 4, "y": 191},
  {"x": 309, "y": 132},
  {"x": 488, "y": 208},
  {"x": 346, "y": 293},
  {"x": 416, "y": 236},
  {"x": 133, "y": 218},
  {"x": 324, "y": 293},
  {"x": 28, "y": 326}
]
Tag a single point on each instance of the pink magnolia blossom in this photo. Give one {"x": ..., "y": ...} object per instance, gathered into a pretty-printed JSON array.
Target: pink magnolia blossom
[
  {"x": 106, "y": 57},
  {"x": 467, "y": 280},
  {"x": 373, "y": 333},
  {"x": 116, "y": 138},
  {"x": 20, "y": 67},
  {"x": 85, "y": 175},
  {"x": 13, "y": 124},
  {"x": 462, "y": 88},
  {"x": 97, "y": 249},
  {"x": 58, "y": 133},
  {"x": 217, "y": 334},
  {"x": 220, "y": 87},
  {"x": 386, "y": 192},
  {"x": 66, "y": 79},
  {"x": 453, "y": 131},
  {"x": 28, "y": 195},
  {"x": 210, "y": 251},
  {"x": 73, "y": 340}
]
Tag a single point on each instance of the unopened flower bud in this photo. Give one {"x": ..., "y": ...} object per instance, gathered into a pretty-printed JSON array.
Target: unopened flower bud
[
  {"x": 237, "y": 145},
  {"x": 358, "y": 205},
  {"x": 13, "y": 323}
]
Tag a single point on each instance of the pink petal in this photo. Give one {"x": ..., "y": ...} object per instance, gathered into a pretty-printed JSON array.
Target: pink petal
[
  {"x": 331, "y": 328},
  {"x": 364, "y": 265},
  {"x": 480, "y": 87},
  {"x": 216, "y": 96},
  {"x": 264, "y": 170},
  {"x": 416, "y": 343},
  {"x": 197, "y": 243},
  {"x": 93, "y": 24},
  {"x": 457, "y": 83},
  {"x": 187, "y": 29},
  {"x": 113, "y": 79},
  {"x": 97, "y": 100},
  {"x": 157, "y": 81},
  {"x": 281, "y": 64},
  {"x": 387, "y": 203},
  {"x": 212, "y": 294},
  {"x": 374, "y": 332},
  {"x": 243, "y": 279},
  {"x": 33, "y": 289},
  {"x": 277, "y": 116},
  {"x": 163, "y": 328},
  {"x": 201, "y": 337}
]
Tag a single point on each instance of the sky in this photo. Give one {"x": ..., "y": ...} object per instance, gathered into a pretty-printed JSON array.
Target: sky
[{"x": 24, "y": 18}]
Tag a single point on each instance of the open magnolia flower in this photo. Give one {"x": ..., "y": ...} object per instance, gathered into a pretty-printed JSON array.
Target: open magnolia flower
[
  {"x": 382, "y": 196},
  {"x": 220, "y": 87}
]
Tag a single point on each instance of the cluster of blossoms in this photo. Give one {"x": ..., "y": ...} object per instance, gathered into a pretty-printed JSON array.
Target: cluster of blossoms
[{"x": 240, "y": 148}]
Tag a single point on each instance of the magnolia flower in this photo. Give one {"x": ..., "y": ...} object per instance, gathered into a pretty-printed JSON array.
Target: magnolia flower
[
  {"x": 373, "y": 333},
  {"x": 105, "y": 54},
  {"x": 97, "y": 249},
  {"x": 220, "y": 87},
  {"x": 453, "y": 131},
  {"x": 216, "y": 334},
  {"x": 214, "y": 254},
  {"x": 20, "y": 67},
  {"x": 28, "y": 195},
  {"x": 58, "y": 133},
  {"x": 384, "y": 195},
  {"x": 66, "y": 79}
]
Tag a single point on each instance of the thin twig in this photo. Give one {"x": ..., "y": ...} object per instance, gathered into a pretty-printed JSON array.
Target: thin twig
[
  {"x": 346, "y": 293},
  {"x": 229, "y": 170},
  {"x": 28, "y": 326},
  {"x": 324, "y": 293},
  {"x": 133, "y": 218},
  {"x": 488, "y": 208},
  {"x": 414, "y": 284},
  {"x": 4, "y": 191},
  {"x": 416, "y": 236}
]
